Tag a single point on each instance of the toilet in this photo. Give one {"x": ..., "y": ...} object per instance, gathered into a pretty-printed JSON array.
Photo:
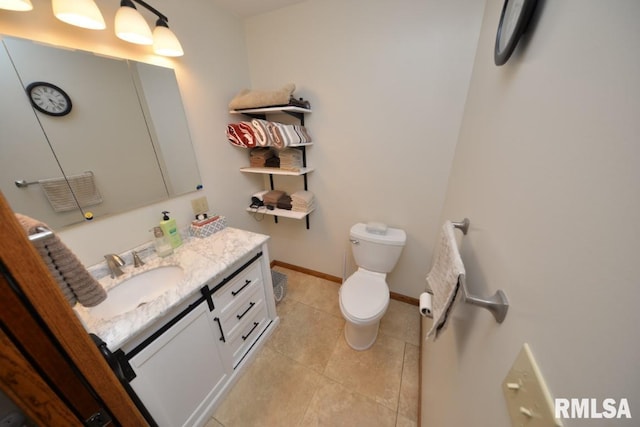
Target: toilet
[{"x": 364, "y": 296}]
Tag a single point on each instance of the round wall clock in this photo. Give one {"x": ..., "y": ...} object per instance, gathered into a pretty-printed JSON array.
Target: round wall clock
[
  {"x": 49, "y": 98},
  {"x": 513, "y": 21}
]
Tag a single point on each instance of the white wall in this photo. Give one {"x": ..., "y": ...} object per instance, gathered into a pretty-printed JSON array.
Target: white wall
[
  {"x": 546, "y": 168},
  {"x": 387, "y": 83},
  {"x": 213, "y": 68}
]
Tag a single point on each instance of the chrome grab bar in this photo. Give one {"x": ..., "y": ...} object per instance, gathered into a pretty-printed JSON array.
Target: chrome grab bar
[{"x": 497, "y": 304}]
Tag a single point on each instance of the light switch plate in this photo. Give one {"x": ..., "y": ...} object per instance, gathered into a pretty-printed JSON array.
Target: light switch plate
[
  {"x": 200, "y": 205},
  {"x": 528, "y": 399}
]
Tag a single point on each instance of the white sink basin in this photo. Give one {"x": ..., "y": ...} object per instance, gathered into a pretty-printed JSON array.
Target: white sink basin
[{"x": 138, "y": 290}]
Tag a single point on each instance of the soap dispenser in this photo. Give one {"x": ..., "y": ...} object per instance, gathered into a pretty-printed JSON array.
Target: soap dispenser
[
  {"x": 161, "y": 243},
  {"x": 170, "y": 230}
]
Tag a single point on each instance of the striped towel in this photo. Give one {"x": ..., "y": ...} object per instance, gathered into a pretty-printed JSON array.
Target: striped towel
[
  {"x": 65, "y": 194},
  {"x": 75, "y": 282},
  {"x": 241, "y": 134}
]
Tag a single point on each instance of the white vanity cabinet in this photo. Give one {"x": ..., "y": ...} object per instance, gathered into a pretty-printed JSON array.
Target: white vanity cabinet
[
  {"x": 242, "y": 306},
  {"x": 184, "y": 364},
  {"x": 179, "y": 375}
]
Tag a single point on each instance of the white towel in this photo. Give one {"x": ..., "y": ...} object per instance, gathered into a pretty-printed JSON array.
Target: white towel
[
  {"x": 65, "y": 194},
  {"x": 444, "y": 278}
]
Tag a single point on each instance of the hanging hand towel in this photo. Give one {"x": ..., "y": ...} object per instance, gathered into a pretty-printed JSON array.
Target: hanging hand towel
[
  {"x": 444, "y": 278},
  {"x": 65, "y": 194},
  {"x": 74, "y": 280}
]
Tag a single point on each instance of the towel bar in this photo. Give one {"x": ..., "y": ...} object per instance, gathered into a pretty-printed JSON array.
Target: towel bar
[
  {"x": 41, "y": 234},
  {"x": 22, "y": 183},
  {"x": 497, "y": 304}
]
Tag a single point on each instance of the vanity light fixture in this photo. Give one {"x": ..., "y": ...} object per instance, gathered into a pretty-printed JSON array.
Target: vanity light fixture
[
  {"x": 164, "y": 41},
  {"x": 16, "y": 5},
  {"x": 131, "y": 26},
  {"x": 81, "y": 13}
]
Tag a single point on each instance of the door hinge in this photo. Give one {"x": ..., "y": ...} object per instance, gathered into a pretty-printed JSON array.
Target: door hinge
[{"x": 99, "y": 419}]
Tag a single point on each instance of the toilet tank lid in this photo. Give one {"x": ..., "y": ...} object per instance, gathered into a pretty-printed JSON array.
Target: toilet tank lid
[{"x": 394, "y": 236}]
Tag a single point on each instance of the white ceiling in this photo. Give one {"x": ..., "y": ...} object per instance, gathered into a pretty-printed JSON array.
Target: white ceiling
[{"x": 246, "y": 8}]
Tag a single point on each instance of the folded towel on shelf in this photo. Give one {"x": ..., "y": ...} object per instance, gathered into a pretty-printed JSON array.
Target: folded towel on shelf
[
  {"x": 74, "y": 280},
  {"x": 291, "y": 159},
  {"x": 303, "y": 201},
  {"x": 66, "y": 193},
  {"x": 248, "y": 98},
  {"x": 272, "y": 162},
  {"x": 271, "y": 198},
  {"x": 241, "y": 134},
  {"x": 284, "y": 202},
  {"x": 444, "y": 278},
  {"x": 259, "y": 156}
]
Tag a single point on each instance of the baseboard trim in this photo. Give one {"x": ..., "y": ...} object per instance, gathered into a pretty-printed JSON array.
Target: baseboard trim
[{"x": 331, "y": 278}]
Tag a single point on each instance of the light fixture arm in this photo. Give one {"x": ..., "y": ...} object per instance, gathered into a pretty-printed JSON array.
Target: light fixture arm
[{"x": 152, "y": 9}]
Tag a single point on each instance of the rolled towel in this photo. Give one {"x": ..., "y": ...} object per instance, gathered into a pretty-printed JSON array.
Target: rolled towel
[
  {"x": 241, "y": 134},
  {"x": 261, "y": 128},
  {"x": 74, "y": 280}
]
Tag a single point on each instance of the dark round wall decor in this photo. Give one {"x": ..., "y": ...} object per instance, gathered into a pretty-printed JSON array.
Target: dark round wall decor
[
  {"x": 49, "y": 99},
  {"x": 515, "y": 16}
]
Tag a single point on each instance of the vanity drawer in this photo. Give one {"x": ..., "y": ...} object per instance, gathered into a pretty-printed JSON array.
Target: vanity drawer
[
  {"x": 238, "y": 311},
  {"x": 245, "y": 283},
  {"x": 247, "y": 333}
]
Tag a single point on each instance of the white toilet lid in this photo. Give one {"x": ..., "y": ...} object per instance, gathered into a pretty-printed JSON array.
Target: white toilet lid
[{"x": 364, "y": 295}]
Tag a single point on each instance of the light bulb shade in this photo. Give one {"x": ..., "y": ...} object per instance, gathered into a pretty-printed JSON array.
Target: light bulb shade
[
  {"x": 16, "y": 5},
  {"x": 166, "y": 43},
  {"x": 81, "y": 13},
  {"x": 131, "y": 26}
]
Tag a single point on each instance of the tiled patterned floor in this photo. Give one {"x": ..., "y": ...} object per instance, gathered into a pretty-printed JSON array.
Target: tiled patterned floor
[{"x": 307, "y": 375}]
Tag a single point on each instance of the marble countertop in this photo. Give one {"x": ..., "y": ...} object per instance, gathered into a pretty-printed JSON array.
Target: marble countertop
[{"x": 202, "y": 259}]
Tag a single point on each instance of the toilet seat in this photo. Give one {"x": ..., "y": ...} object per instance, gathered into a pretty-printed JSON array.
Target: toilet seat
[{"x": 364, "y": 296}]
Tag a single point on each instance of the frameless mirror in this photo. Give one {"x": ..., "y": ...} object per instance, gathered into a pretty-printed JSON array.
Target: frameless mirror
[{"x": 124, "y": 144}]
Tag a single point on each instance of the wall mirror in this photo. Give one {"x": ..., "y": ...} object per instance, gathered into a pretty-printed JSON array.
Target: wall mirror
[{"x": 124, "y": 144}]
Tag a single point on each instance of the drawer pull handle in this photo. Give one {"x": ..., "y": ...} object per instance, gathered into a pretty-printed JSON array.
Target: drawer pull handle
[
  {"x": 255, "y": 325},
  {"x": 217, "y": 319},
  {"x": 240, "y": 316},
  {"x": 246, "y": 283}
]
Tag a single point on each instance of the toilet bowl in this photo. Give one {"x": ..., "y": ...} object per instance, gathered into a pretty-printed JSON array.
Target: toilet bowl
[{"x": 364, "y": 296}]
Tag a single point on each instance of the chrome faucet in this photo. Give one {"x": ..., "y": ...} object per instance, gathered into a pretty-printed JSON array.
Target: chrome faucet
[
  {"x": 114, "y": 262},
  {"x": 137, "y": 262}
]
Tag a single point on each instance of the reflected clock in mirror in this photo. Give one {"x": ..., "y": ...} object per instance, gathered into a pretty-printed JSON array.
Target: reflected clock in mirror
[
  {"x": 49, "y": 99},
  {"x": 514, "y": 19}
]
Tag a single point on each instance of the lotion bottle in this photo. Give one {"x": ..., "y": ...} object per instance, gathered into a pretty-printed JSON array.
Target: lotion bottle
[
  {"x": 170, "y": 230},
  {"x": 161, "y": 243}
]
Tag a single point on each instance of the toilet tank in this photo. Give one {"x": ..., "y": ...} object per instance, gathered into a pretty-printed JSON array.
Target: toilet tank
[{"x": 376, "y": 252}]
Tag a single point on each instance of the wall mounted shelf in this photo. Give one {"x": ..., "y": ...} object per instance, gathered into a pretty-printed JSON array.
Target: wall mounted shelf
[{"x": 297, "y": 112}]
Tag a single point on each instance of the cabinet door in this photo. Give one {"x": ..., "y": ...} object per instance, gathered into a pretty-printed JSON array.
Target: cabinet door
[{"x": 180, "y": 374}]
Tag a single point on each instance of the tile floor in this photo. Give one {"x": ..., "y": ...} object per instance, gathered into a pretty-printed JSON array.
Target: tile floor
[{"x": 307, "y": 375}]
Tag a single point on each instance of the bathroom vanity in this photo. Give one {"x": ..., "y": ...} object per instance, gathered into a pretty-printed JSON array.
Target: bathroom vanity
[{"x": 182, "y": 350}]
